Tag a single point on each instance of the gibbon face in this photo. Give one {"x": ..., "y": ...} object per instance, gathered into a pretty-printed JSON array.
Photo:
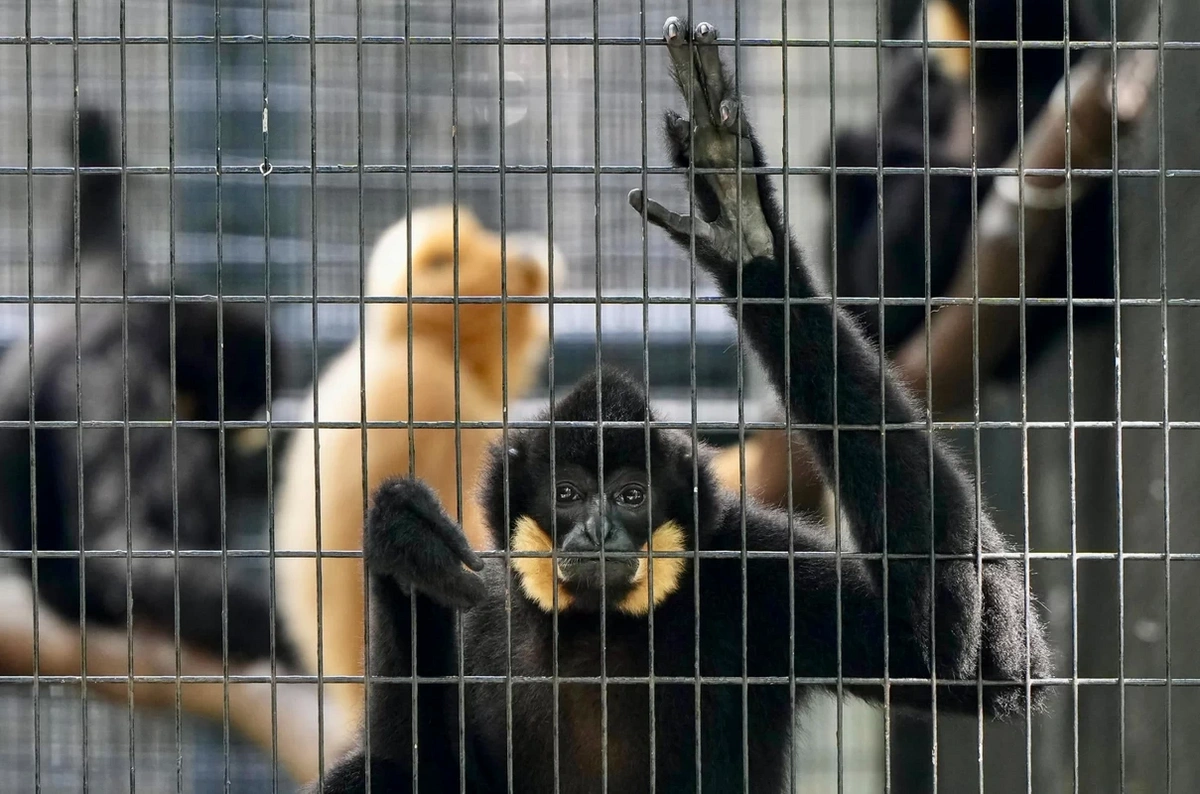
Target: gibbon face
[
  {"x": 637, "y": 502},
  {"x": 590, "y": 519}
]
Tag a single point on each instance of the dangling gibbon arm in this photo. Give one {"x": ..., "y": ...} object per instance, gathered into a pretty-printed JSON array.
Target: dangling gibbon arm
[
  {"x": 408, "y": 538},
  {"x": 909, "y": 497}
]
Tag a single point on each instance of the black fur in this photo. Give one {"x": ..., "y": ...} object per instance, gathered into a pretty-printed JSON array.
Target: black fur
[
  {"x": 856, "y": 216},
  {"x": 698, "y": 629},
  {"x": 82, "y": 476},
  {"x": 99, "y": 194}
]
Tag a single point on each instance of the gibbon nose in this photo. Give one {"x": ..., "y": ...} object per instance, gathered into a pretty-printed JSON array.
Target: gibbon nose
[{"x": 597, "y": 529}]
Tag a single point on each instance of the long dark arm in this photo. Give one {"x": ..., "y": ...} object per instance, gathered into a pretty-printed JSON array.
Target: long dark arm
[
  {"x": 394, "y": 625},
  {"x": 914, "y": 499},
  {"x": 414, "y": 554}
]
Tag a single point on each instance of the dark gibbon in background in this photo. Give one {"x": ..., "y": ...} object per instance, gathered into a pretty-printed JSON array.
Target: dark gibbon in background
[
  {"x": 946, "y": 211},
  {"x": 98, "y": 491},
  {"x": 628, "y": 489},
  {"x": 949, "y": 208}
]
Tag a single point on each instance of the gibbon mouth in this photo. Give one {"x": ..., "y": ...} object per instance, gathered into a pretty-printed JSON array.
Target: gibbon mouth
[{"x": 586, "y": 574}]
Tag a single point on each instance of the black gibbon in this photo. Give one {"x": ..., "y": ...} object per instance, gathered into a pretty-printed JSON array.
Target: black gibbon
[
  {"x": 393, "y": 336},
  {"x": 723, "y": 610},
  {"x": 109, "y": 487},
  {"x": 1003, "y": 102}
]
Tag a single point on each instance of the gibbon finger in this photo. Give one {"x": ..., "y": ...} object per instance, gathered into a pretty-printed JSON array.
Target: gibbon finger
[
  {"x": 668, "y": 219},
  {"x": 710, "y": 70},
  {"x": 683, "y": 68}
]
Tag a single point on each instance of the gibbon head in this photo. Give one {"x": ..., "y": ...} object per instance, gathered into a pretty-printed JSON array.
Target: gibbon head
[
  {"x": 480, "y": 273},
  {"x": 644, "y": 503}
]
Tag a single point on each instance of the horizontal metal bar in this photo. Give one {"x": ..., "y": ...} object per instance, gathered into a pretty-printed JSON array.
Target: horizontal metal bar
[
  {"x": 718, "y": 554},
  {"x": 609, "y": 41},
  {"x": 1043, "y": 683},
  {"x": 588, "y": 300},
  {"x": 278, "y": 169},
  {"x": 1148, "y": 424}
]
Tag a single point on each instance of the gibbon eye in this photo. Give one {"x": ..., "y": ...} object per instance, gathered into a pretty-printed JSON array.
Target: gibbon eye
[
  {"x": 567, "y": 493},
  {"x": 632, "y": 496}
]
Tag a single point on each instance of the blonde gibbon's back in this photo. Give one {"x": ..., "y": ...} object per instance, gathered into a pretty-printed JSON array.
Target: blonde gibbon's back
[{"x": 339, "y": 398}]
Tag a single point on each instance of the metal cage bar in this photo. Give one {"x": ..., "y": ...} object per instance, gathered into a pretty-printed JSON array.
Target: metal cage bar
[{"x": 281, "y": 214}]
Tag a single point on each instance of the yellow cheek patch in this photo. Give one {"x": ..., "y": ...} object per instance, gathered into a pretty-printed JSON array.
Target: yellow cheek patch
[
  {"x": 667, "y": 571},
  {"x": 539, "y": 580},
  {"x": 537, "y": 573},
  {"x": 946, "y": 25}
]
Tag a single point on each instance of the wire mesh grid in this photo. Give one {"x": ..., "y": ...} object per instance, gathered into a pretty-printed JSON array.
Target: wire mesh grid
[{"x": 380, "y": 85}]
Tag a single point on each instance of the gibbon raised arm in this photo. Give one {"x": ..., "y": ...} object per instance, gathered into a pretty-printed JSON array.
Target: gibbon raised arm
[
  {"x": 741, "y": 235},
  {"x": 595, "y": 499}
]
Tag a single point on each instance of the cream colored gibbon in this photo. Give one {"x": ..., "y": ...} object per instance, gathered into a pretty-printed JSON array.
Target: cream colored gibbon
[{"x": 481, "y": 359}]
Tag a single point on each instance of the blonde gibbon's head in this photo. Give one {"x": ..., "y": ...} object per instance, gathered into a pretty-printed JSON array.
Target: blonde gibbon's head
[{"x": 481, "y": 273}]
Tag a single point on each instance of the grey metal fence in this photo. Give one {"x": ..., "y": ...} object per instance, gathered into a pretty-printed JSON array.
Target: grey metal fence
[
  {"x": 285, "y": 85},
  {"x": 178, "y": 91}
]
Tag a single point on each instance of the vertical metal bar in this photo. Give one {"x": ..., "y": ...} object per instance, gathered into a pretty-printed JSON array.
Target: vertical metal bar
[
  {"x": 927, "y": 403},
  {"x": 787, "y": 386},
  {"x": 1166, "y": 380},
  {"x": 457, "y": 373},
  {"x": 81, "y": 536},
  {"x": 127, "y": 485},
  {"x": 271, "y": 558},
  {"x": 839, "y": 733},
  {"x": 171, "y": 330},
  {"x": 271, "y": 551},
  {"x": 599, "y": 398},
  {"x": 1024, "y": 374},
  {"x": 364, "y": 435},
  {"x": 504, "y": 397},
  {"x": 692, "y": 270},
  {"x": 412, "y": 439},
  {"x": 651, "y": 694},
  {"x": 33, "y": 515},
  {"x": 458, "y": 476},
  {"x": 1119, "y": 411},
  {"x": 316, "y": 401},
  {"x": 741, "y": 409},
  {"x": 976, "y": 384},
  {"x": 1071, "y": 449},
  {"x": 879, "y": 89},
  {"x": 554, "y": 682}
]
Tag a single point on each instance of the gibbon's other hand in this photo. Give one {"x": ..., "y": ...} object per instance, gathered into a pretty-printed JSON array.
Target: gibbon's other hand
[
  {"x": 729, "y": 217},
  {"x": 410, "y": 538}
]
